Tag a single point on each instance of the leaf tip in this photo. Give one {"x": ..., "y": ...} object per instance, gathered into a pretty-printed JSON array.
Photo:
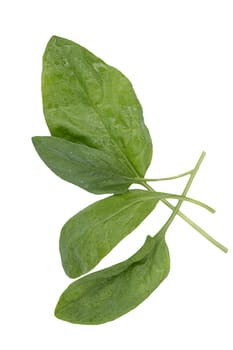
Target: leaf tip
[
  {"x": 53, "y": 38},
  {"x": 57, "y": 40},
  {"x": 34, "y": 140}
]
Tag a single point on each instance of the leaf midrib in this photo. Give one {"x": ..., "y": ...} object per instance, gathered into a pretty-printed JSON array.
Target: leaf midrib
[
  {"x": 97, "y": 112},
  {"x": 121, "y": 210},
  {"x": 86, "y": 161}
]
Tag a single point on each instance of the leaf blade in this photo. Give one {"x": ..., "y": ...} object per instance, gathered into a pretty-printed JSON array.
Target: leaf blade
[
  {"x": 87, "y": 101},
  {"x": 110, "y": 293},
  {"x": 86, "y": 167},
  {"x": 92, "y": 233}
]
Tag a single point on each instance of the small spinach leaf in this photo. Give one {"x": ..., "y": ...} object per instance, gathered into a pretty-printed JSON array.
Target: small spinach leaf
[
  {"x": 91, "y": 234},
  {"x": 87, "y": 101},
  {"x": 87, "y": 167},
  {"x": 110, "y": 293}
]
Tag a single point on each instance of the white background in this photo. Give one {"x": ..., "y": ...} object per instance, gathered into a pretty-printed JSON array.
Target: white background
[{"x": 179, "y": 57}]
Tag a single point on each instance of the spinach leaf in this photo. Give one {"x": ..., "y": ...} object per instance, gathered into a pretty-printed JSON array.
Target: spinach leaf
[
  {"x": 91, "y": 234},
  {"x": 87, "y": 101},
  {"x": 92, "y": 169},
  {"x": 110, "y": 293}
]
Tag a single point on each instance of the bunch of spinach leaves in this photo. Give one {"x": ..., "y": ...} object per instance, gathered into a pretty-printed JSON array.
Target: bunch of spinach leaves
[{"x": 99, "y": 142}]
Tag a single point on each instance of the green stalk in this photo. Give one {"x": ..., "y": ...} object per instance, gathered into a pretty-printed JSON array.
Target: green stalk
[
  {"x": 199, "y": 229},
  {"x": 140, "y": 180},
  {"x": 176, "y": 210},
  {"x": 165, "y": 195},
  {"x": 187, "y": 187}
]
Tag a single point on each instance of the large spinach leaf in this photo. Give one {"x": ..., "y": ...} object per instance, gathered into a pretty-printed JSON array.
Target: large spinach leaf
[{"x": 87, "y": 101}]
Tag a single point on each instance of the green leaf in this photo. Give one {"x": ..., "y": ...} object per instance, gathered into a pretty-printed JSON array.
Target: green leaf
[
  {"x": 91, "y": 234},
  {"x": 110, "y": 293},
  {"x": 87, "y": 101},
  {"x": 89, "y": 168}
]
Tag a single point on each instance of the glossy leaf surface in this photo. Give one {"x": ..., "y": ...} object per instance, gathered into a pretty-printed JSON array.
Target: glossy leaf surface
[
  {"x": 91, "y": 234},
  {"x": 87, "y": 101},
  {"x": 110, "y": 293},
  {"x": 89, "y": 168}
]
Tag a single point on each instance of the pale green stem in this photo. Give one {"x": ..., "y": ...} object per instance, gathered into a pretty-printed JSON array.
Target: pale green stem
[
  {"x": 187, "y": 187},
  {"x": 164, "y": 195},
  {"x": 200, "y": 230},
  {"x": 140, "y": 180},
  {"x": 183, "y": 216}
]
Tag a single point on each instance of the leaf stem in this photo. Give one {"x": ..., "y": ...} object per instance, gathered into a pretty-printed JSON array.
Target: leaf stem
[
  {"x": 196, "y": 227},
  {"x": 202, "y": 232},
  {"x": 165, "y": 195},
  {"x": 187, "y": 187},
  {"x": 140, "y": 180},
  {"x": 183, "y": 216}
]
